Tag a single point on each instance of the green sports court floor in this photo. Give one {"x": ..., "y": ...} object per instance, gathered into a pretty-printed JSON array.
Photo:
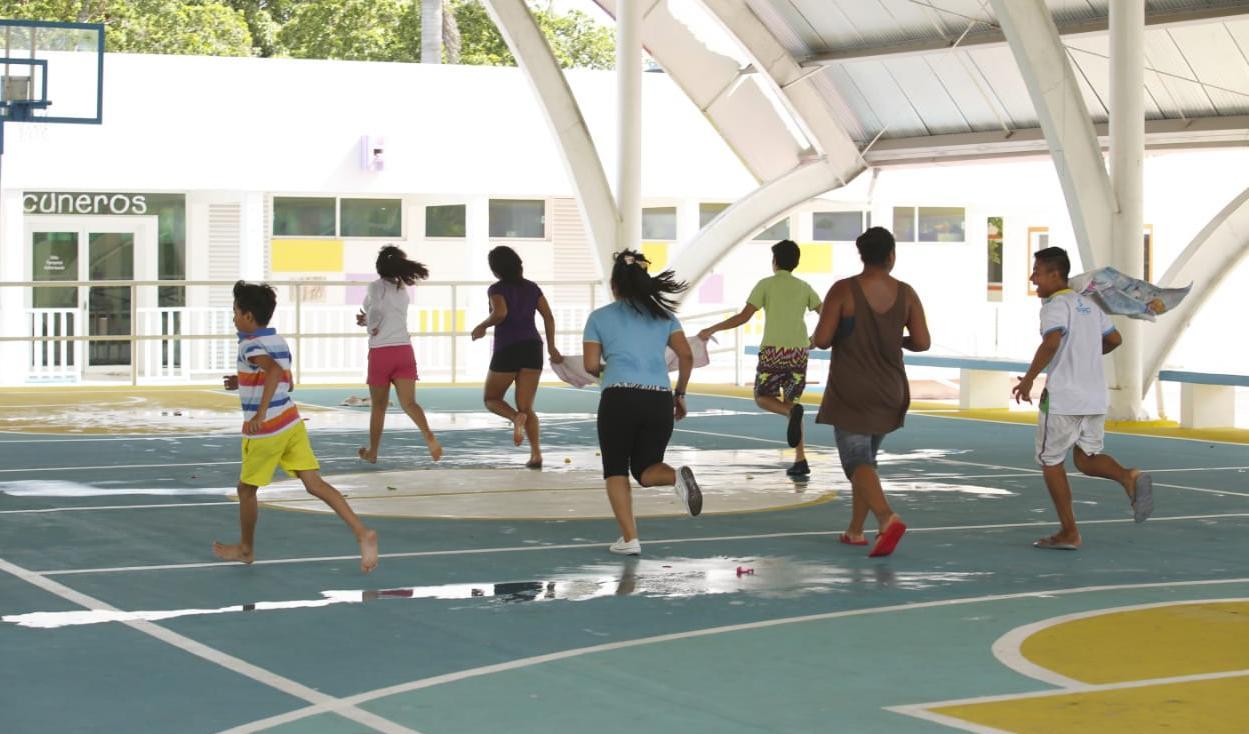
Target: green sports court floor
[{"x": 497, "y": 607}]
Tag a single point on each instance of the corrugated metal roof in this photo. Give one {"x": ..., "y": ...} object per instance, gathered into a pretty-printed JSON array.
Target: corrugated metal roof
[{"x": 891, "y": 76}]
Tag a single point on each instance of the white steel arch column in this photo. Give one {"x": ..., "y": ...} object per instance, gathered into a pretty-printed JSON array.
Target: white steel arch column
[
  {"x": 1206, "y": 261},
  {"x": 836, "y": 157},
  {"x": 747, "y": 215},
  {"x": 1127, "y": 160},
  {"x": 629, "y": 124},
  {"x": 1029, "y": 29},
  {"x": 594, "y": 197}
]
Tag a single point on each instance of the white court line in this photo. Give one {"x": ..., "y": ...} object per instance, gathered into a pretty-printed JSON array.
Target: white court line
[
  {"x": 484, "y": 670},
  {"x": 212, "y": 655},
  {"x": 570, "y": 546},
  {"x": 88, "y": 508},
  {"x": 1008, "y": 648},
  {"x": 330, "y": 460}
]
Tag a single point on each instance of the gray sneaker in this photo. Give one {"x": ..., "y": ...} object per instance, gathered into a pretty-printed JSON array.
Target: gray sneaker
[
  {"x": 687, "y": 490},
  {"x": 1143, "y": 502}
]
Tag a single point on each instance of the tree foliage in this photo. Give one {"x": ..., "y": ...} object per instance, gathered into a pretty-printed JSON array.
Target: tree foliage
[{"x": 366, "y": 30}]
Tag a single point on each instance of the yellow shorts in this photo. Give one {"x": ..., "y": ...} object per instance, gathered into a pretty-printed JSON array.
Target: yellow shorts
[{"x": 290, "y": 449}]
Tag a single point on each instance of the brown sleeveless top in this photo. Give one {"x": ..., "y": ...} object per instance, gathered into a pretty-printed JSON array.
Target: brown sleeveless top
[{"x": 867, "y": 390}]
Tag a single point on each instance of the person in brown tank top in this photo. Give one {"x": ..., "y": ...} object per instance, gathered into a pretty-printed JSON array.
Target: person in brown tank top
[{"x": 864, "y": 319}]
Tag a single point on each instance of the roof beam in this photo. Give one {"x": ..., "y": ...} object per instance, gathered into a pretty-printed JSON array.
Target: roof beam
[
  {"x": 992, "y": 36},
  {"x": 1199, "y": 132}
]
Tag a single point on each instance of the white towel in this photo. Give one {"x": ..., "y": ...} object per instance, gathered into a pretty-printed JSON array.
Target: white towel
[{"x": 572, "y": 369}]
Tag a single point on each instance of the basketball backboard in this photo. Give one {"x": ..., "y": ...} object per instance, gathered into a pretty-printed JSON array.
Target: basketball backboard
[{"x": 51, "y": 72}]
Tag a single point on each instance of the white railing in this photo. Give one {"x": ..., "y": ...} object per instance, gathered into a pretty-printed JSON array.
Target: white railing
[{"x": 190, "y": 344}]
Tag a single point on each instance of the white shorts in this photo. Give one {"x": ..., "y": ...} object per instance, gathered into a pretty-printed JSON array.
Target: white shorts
[{"x": 1056, "y": 434}]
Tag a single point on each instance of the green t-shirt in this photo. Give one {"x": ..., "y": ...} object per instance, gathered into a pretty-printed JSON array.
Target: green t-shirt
[{"x": 784, "y": 300}]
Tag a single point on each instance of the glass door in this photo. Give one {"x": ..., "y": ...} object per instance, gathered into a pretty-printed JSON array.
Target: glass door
[
  {"x": 110, "y": 256},
  {"x": 54, "y": 311}
]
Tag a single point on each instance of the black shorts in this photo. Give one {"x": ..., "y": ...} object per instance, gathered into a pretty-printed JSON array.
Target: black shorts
[
  {"x": 633, "y": 429},
  {"x": 525, "y": 355}
]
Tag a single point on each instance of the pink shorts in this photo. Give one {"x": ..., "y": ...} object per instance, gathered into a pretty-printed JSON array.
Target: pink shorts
[{"x": 387, "y": 364}]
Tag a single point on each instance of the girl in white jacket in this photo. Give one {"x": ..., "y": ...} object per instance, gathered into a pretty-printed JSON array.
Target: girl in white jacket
[{"x": 391, "y": 358}]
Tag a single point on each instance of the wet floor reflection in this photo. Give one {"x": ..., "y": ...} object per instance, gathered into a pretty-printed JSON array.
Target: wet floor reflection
[{"x": 768, "y": 577}]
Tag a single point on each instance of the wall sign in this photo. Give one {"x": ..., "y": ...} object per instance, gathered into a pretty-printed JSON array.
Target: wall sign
[{"x": 53, "y": 202}]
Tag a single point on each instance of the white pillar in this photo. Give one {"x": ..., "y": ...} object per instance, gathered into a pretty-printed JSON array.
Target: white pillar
[
  {"x": 1127, "y": 153},
  {"x": 431, "y": 31},
  {"x": 252, "y": 226},
  {"x": 629, "y": 131}
]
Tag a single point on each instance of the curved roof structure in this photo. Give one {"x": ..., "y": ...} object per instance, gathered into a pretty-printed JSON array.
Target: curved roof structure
[{"x": 912, "y": 80}]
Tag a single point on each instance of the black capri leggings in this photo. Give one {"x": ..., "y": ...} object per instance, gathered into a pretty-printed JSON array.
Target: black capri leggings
[{"x": 634, "y": 426}]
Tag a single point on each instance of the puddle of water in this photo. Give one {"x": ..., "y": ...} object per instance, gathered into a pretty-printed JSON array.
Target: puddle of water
[
  {"x": 664, "y": 578},
  {"x": 57, "y": 488}
]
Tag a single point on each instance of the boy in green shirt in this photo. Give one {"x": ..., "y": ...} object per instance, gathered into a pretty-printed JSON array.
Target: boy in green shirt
[{"x": 782, "y": 368}]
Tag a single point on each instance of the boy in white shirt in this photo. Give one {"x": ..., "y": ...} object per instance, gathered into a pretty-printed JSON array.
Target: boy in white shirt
[{"x": 1075, "y": 333}]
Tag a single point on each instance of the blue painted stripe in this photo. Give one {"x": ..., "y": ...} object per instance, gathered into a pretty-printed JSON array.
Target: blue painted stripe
[
  {"x": 1204, "y": 378},
  {"x": 272, "y": 404}
]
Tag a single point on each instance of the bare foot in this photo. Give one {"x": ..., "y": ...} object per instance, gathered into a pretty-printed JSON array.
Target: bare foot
[
  {"x": 368, "y": 551},
  {"x": 369, "y": 456},
  {"x": 232, "y": 552},
  {"x": 518, "y": 428},
  {"x": 535, "y": 462},
  {"x": 1059, "y": 541},
  {"x": 435, "y": 448}
]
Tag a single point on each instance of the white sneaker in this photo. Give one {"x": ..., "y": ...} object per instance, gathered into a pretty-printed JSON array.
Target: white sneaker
[
  {"x": 626, "y": 548},
  {"x": 687, "y": 490}
]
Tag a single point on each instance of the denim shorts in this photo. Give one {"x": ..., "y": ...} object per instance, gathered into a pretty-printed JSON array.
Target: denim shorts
[{"x": 856, "y": 449}]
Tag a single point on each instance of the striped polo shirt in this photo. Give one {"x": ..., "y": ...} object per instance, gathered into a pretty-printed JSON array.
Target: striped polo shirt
[{"x": 282, "y": 413}]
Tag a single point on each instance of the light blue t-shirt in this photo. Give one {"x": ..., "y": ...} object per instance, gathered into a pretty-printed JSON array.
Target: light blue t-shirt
[{"x": 633, "y": 346}]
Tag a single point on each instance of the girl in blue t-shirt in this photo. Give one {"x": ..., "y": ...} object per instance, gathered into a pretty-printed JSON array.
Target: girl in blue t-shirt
[{"x": 624, "y": 342}]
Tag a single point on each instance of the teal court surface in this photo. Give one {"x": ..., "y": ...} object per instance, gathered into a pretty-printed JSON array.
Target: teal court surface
[{"x": 497, "y": 608}]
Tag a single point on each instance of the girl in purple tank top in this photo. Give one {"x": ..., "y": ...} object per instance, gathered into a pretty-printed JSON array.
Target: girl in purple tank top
[{"x": 517, "y": 347}]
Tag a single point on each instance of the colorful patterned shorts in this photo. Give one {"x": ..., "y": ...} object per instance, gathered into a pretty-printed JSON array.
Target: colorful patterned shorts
[{"x": 781, "y": 371}]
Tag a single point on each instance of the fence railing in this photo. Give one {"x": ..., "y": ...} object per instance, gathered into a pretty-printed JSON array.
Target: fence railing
[{"x": 189, "y": 344}]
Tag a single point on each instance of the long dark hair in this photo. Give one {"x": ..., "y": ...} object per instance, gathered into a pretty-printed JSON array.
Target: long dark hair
[
  {"x": 506, "y": 264},
  {"x": 393, "y": 264},
  {"x": 650, "y": 295}
]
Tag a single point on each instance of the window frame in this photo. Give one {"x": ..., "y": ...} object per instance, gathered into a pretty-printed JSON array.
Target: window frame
[
  {"x": 338, "y": 211},
  {"x": 865, "y": 221},
  {"x": 546, "y": 220},
  {"x": 451, "y": 237},
  {"x": 273, "y": 218}
]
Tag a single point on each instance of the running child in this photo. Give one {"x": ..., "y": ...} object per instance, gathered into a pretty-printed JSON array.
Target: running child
[
  {"x": 1075, "y": 333},
  {"x": 781, "y": 374},
  {"x": 391, "y": 358},
  {"x": 625, "y": 342},
  {"x": 517, "y": 347},
  {"x": 273, "y": 434}
]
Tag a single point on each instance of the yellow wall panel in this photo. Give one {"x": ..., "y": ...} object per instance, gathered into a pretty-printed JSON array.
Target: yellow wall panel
[
  {"x": 815, "y": 259},
  {"x": 307, "y": 256},
  {"x": 657, "y": 253}
]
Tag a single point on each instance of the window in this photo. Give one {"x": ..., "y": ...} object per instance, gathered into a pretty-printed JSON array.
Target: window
[
  {"x": 778, "y": 231},
  {"x": 371, "y": 218},
  {"x": 993, "y": 257},
  {"x": 659, "y": 223},
  {"x": 303, "y": 217},
  {"x": 941, "y": 223},
  {"x": 518, "y": 218},
  {"x": 904, "y": 223},
  {"x": 1038, "y": 239},
  {"x": 445, "y": 221},
  {"x": 708, "y": 212},
  {"x": 839, "y": 226}
]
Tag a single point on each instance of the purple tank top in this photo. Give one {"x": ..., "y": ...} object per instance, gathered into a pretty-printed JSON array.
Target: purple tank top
[{"x": 521, "y": 298}]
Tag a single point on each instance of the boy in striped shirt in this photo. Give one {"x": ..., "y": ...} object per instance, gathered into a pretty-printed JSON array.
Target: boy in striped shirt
[{"x": 273, "y": 434}]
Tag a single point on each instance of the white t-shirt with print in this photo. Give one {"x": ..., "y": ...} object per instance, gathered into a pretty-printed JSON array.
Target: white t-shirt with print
[
  {"x": 1075, "y": 381},
  {"x": 386, "y": 310}
]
